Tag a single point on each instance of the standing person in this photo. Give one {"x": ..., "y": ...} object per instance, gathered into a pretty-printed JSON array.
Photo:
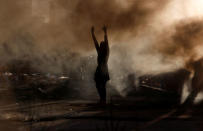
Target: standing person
[{"x": 101, "y": 75}]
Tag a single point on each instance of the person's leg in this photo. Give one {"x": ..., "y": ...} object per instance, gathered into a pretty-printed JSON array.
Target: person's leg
[
  {"x": 103, "y": 92},
  {"x": 98, "y": 86}
]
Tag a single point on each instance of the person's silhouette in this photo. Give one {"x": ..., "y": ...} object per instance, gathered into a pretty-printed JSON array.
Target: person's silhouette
[{"x": 101, "y": 75}]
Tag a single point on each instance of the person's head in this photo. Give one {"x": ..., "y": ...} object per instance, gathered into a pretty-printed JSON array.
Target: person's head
[{"x": 102, "y": 46}]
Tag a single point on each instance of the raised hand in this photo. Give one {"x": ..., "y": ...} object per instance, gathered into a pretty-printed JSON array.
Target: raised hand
[
  {"x": 104, "y": 29},
  {"x": 92, "y": 29},
  {"x": 95, "y": 40}
]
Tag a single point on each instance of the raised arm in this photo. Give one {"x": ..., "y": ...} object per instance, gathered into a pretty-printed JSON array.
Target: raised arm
[
  {"x": 105, "y": 36},
  {"x": 95, "y": 40}
]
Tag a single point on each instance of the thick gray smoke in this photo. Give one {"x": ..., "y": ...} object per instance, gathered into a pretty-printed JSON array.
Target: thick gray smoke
[
  {"x": 68, "y": 23},
  {"x": 54, "y": 36}
]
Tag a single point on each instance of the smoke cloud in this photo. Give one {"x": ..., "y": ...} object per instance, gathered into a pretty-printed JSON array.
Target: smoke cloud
[
  {"x": 45, "y": 32},
  {"x": 184, "y": 40},
  {"x": 145, "y": 36}
]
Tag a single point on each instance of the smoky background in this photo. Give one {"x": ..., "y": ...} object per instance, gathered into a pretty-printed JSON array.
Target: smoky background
[{"x": 146, "y": 37}]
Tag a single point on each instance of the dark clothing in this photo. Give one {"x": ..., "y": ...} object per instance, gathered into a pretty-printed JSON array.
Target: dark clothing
[
  {"x": 102, "y": 59},
  {"x": 102, "y": 74}
]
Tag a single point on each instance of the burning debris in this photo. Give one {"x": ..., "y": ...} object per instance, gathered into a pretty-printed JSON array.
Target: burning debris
[{"x": 196, "y": 85}]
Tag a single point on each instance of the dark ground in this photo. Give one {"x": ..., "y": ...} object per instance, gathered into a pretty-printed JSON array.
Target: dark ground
[{"x": 30, "y": 108}]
